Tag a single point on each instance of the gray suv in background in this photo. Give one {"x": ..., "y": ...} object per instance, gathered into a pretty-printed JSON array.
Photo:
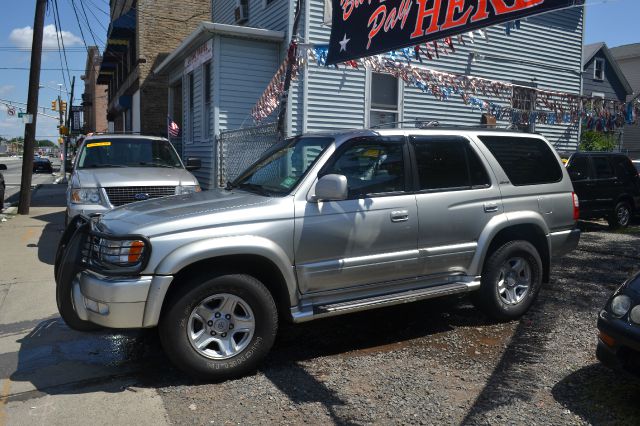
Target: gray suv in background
[
  {"x": 114, "y": 170},
  {"x": 323, "y": 225}
]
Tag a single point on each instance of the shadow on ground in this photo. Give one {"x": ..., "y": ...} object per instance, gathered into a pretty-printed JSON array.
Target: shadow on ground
[{"x": 600, "y": 395}]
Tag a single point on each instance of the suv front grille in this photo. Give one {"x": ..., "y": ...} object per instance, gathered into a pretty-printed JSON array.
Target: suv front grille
[{"x": 119, "y": 196}]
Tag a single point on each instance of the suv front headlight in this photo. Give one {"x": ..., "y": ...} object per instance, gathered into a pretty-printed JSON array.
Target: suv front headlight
[
  {"x": 86, "y": 196},
  {"x": 187, "y": 189},
  {"x": 121, "y": 252}
]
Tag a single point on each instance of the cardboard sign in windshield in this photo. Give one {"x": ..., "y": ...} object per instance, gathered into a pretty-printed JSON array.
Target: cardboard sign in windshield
[{"x": 367, "y": 27}]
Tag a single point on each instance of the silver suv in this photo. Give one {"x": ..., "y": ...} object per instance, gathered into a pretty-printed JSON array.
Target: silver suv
[
  {"x": 113, "y": 170},
  {"x": 324, "y": 224}
]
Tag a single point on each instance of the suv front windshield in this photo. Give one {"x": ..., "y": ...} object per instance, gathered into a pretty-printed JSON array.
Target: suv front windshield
[
  {"x": 128, "y": 152},
  {"x": 283, "y": 166}
]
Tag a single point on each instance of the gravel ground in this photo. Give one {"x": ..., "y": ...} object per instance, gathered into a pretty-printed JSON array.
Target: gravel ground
[{"x": 437, "y": 362}]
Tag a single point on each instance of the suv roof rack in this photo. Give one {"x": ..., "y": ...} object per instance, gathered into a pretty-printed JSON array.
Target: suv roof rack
[{"x": 426, "y": 124}]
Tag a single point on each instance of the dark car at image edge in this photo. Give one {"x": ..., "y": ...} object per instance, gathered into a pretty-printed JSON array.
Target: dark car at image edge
[
  {"x": 3, "y": 167},
  {"x": 619, "y": 328}
]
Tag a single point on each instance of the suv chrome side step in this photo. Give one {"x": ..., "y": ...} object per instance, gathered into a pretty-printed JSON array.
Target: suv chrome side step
[{"x": 334, "y": 309}]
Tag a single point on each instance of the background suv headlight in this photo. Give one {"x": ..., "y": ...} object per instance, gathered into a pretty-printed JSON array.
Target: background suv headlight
[
  {"x": 187, "y": 189},
  {"x": 86, "y": 196}
]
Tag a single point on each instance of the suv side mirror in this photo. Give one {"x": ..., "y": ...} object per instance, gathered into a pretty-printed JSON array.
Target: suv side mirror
[
  {"x": 331, "y": 188},
  {"x": 3, "y": 167},
  {"x": 193, "y": 164},
  {"x": 68, "y": 166}
]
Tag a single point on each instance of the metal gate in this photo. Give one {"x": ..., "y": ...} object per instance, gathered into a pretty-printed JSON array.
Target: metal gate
[{"x": 238, "y": 149}]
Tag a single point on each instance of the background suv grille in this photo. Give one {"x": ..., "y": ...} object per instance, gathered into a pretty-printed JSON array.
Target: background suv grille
[{"x": 126, "y": 194}]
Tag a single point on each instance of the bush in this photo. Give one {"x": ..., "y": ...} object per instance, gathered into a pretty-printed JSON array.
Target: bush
[{"x": 592, "y": 140}]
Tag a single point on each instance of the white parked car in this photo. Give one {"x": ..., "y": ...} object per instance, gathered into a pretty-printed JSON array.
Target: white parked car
[{"x": 114, "y": 170}]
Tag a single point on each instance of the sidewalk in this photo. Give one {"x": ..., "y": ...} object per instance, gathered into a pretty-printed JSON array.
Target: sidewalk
[{"x": 50, "y": 374}]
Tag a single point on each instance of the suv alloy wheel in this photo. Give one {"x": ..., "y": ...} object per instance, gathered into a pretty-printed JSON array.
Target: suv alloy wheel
[
  {"x": 220, "y": 327},
  {"x": 621, "y": 215},
  {"x": 511, "y": 280}
]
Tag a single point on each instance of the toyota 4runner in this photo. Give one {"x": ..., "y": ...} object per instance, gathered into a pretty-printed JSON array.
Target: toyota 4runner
[{"x": 322, "y": 225}]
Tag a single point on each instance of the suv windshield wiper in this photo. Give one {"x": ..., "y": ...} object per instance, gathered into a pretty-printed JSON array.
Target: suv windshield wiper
[
  {"x": 95, "y": 166},
  {"x": 252, "y": 187},
  {"x": 143, "y": 163}
]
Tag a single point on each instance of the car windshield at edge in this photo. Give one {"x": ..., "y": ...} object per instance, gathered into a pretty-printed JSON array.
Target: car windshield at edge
[
  {"x": 283, "y": 166},
  {"x": 128, "y": 152}
]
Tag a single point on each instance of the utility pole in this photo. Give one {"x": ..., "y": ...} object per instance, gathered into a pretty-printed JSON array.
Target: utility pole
[
  {"x": 67, "y": 137},
  {"x": 32, "y": 108}
]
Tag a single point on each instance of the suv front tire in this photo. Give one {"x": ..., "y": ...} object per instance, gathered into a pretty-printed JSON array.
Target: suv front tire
[{"x": 219, "y": 328}]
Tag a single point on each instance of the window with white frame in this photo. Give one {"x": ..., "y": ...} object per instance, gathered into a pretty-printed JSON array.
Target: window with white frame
[
  {"x": 384, "y": 98},
  {"x": 206, "y": 113},
  {"x": 190, "y": 85},
  {"x": 598, "y": 69}
]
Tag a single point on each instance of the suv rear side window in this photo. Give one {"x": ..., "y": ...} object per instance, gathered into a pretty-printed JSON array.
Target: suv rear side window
[
  {"x": 623, "y": 167},
  {"x": 446, "y": 163},
  {"x": 579, "y": 168},
  {"x": 371, "y": 166},
  {"x": 602, "y": 167},
  {"x": 526, "y": 161}
]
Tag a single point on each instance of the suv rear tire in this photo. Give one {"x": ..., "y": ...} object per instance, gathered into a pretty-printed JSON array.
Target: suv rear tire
[
  {"x": 219, "y": 328},
  {"x": 621, "y": 215},
  {"x": 510, "y": 282}
]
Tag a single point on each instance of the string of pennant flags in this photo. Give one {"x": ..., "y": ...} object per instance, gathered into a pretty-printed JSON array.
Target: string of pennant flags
[{"x": 482, "y": 94}]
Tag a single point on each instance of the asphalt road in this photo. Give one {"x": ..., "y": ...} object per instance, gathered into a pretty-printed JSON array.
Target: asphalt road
[{"x": 13, "y": 175}]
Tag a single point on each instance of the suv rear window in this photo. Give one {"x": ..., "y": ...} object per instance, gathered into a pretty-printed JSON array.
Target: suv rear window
[{"x": 526, "y": 161}]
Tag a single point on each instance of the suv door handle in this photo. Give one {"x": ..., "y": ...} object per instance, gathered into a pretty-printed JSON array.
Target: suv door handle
[
  {"x": 490, "y": 207},
  {"x": 399, "y": 216}
]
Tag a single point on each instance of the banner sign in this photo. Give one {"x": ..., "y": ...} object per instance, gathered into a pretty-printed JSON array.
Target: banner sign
[{"x": 367, "y": 27}]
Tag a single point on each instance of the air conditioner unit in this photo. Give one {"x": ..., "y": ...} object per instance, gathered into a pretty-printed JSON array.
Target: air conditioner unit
[{"x": 242, "y": 12}]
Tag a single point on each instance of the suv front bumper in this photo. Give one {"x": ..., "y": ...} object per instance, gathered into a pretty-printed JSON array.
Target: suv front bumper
[
  {"x": 115, "y": 300},
  {"x": 119, "y": 302}
]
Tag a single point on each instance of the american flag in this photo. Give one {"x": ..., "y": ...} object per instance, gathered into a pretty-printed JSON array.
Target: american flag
[{"x": 172, "y": 128}]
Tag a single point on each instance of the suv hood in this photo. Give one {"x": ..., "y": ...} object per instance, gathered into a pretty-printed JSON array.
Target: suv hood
[
  {"x": 132, "y": 176},
  {"x": 195, "y": 211}
]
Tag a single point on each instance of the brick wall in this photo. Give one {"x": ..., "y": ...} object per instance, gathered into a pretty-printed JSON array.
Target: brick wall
[
  {"x": 162, "y": 26},
  {"x": 95, "y": 113}
]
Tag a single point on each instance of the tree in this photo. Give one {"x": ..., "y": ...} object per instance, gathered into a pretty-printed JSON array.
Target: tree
[{"x": 592, "y": 140}]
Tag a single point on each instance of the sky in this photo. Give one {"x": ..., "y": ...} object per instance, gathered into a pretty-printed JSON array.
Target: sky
[{"x": 612, "y": 21}]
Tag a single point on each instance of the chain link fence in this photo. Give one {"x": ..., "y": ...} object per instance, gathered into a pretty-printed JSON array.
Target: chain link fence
[{"x": 238, "y": 149}]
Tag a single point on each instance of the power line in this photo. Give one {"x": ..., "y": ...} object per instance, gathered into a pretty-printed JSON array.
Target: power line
[
  {"x": 56, "y": 16},
  {"x": 75, "y": 12},
  {"x": 86, "y": 19},
  {"x": 97, "y": 8},
  {"x": 42, "y": 69}
]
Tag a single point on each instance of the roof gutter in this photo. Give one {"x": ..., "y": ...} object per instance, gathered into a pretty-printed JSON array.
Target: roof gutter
[{"x": 206, "y": 30}]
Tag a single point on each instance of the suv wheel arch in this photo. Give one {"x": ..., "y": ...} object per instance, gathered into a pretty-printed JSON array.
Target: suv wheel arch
[
  {"x": 259, "y": 267},
  {"x": 530, "y": 232}
]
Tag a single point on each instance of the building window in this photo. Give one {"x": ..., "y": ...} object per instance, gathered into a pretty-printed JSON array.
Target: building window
[
  {"x": 206, "y": 122},
  {"x": 523, "y": 99},
  {"x": 598, "y": 69},
  {"x": 190, "y": 83},
  {"x": 268, "y": 2},
  {"x": 384, "y": 95}
]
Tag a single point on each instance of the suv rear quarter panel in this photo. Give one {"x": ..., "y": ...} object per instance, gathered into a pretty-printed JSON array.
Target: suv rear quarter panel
[{"x": 550, "y": 204}]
